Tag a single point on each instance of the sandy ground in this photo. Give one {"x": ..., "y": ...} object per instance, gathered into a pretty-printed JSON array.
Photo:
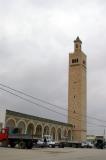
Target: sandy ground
[{"x": 52, "y": 154}]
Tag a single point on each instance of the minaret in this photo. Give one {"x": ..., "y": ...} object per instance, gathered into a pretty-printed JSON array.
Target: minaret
[{"x": 77, "y": 91}]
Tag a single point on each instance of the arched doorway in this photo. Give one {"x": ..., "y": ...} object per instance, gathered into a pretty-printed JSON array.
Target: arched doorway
[
  {"x": 69, "y": 134},
  {"x": 46, "y": 130},
  {"x": 65, "y": 133},
  {"x": 53, "y": 133},
  {"x": 39, "y": 131},
  {"x": 10, "y": 124},
  {"x": 22, "y": 127},
  {"x": 59, "y": 134},
  {"x": 30, "y": 129}
]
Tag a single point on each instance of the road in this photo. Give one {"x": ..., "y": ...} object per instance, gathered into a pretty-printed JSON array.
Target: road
[{"x": 52, "y": 154}]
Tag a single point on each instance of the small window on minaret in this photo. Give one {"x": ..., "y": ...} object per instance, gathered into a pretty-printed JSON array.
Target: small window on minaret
[
  {"x": 72, "y": 60},
  {"x": 84, "y": 62},
  {"x": 74, "y": 111},
  {"x": 75, "y": 60}
]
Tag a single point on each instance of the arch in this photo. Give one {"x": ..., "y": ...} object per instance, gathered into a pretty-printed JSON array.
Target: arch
[
  {"x": 39, "y": 131},
  {"x": 11, "y": 123},
  {"x": 59, "y": 134},
  {"x": 46, "y": 130},
  {"x": 69, "y": 134},
  {"x": 30, "y": 128},
  {"x": 53, "y": 133},
  {"x": 22, "y": 126},
  {"x": 65, "y": 133}
]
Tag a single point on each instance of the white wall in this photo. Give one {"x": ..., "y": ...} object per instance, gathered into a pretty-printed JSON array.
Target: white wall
[{"x": 2, "y": 116}]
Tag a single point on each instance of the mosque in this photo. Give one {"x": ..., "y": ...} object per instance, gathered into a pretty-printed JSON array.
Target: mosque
[{"x": 75, "y": 128}]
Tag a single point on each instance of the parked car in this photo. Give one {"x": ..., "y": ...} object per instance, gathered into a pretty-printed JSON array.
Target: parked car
[
  {"x": 40, "y": 143},
  {"x": 44, "y": 143},
  {"x": 49, "y": 141},
  {"x": 87, "y": 144},
  {"x": 100, "y": 144},
  {"x": 51, "y": 144},
  {"x": 84, "y": 144}
]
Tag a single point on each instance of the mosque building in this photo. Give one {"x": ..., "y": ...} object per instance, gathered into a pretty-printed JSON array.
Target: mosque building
[{"x": 75, "y": 128}]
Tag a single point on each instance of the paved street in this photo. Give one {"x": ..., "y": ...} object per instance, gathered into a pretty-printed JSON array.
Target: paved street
[{"x": 52, "y": 153}]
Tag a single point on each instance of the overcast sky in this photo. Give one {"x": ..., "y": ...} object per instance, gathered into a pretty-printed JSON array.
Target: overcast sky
[{"x": 36, "y": 37}]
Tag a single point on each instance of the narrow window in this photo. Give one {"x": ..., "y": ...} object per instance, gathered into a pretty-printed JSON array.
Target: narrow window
[
  {"x": 77, "y": 60},
  {"x": 84, "y": 62},
  {"x": 72, "y": 60},
  {"x": 74, "y": 111}
]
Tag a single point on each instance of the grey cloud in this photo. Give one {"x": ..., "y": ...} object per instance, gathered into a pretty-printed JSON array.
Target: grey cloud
[{"x": 35, "y": 39}]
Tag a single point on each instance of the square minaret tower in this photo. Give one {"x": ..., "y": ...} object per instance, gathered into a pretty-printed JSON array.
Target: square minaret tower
[{"x": 77, "y": 91}]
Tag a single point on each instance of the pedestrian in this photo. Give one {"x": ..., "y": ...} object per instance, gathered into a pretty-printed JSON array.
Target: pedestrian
[{"x": 45, "y": 141}]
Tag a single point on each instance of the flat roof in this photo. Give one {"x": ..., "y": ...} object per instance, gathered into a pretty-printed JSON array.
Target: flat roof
[{"x": 9, "y": 112}]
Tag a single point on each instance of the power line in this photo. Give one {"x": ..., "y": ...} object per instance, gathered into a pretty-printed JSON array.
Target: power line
[
  {"x": 23, "y": 93},
  {"x": 41, "y": 105},
  {"x": 41, "y": 100},
  {"x": 25, "y": 99},
  {"x": 44, "y": 101},
  {"x": 29, "y": 101}
]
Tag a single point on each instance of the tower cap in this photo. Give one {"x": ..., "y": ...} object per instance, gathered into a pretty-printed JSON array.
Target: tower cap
[{"x": 77, "y": 40}]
